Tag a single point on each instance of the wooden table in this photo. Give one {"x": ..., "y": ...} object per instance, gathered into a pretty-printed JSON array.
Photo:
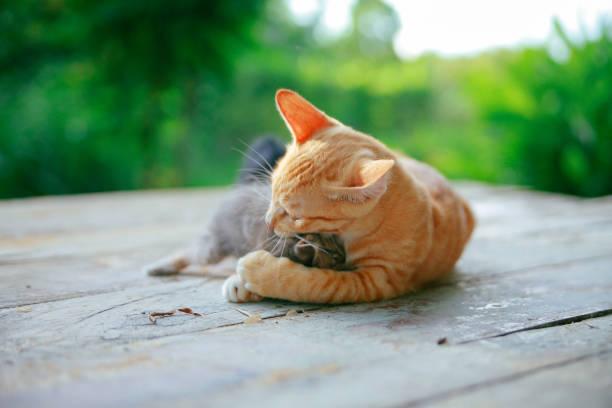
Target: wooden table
[{"x": 525, "y": 321}]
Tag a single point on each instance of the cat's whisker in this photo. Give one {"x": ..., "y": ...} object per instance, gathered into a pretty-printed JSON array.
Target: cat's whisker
[
  {"x": 263, "y": 197},
  {"x": 262, "y": 168},
  {"x": 266, "y": 242},
  {"x": 283, "y": 248},
  {"x": 260, "y": 174},
  {"x": 312, "y": 244},
  {"x": 268, "y": 165},
  {"x": 266, "y": 168},
  {"x": 260, "y": 177},
  {"x": 276, "y": 245}
]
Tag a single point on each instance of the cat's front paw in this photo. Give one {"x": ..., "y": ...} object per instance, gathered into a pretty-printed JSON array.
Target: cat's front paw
[
  {"x": 256, "y": 269},
  {"x": 234, "y": 291}
]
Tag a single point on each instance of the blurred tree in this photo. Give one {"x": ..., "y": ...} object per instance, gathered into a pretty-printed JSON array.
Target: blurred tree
[
  {"x": 144, "y": 94},
  {"x": 555, "y": 109},
  {"x": 373, "y": 28},
  {"x": 565, "y": 142},
  {"x": 91, "y": 86}
]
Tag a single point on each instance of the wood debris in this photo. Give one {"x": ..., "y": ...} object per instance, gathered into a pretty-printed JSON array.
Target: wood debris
[
  {"x": 254, "y": 318},
  {"x": 250, "y": 317},
  {"x": 188, "y": 310},
  {"x": 242, "y": 312},
  {"x": 288, "y": 374},
  {"x": 153, "y": 316}
]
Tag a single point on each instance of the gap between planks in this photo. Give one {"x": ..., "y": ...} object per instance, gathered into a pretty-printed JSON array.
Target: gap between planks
[
  {"x": 546, "y": 325},
  {"x": 467, "y": 389}
]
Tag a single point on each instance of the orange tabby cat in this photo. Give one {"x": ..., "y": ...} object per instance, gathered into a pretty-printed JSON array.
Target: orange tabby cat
[{"x": 401, "y": 222}]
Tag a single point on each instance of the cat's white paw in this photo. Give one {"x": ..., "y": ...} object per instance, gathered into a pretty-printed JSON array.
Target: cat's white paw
[
  {"x": 234, "y": 291},
  {"x": 252, "y": 268}
]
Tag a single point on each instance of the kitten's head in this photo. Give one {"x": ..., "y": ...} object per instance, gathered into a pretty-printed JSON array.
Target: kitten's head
[{"x": 330, "y": 176}]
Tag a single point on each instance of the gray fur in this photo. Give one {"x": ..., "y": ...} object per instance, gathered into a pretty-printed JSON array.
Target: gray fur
[{"x": 238, "y": 227}]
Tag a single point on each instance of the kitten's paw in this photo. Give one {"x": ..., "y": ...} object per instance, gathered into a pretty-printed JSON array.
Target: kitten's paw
[
  {"x": 234, "y": 291},
  {"x": 170, "y": 265},
  {"x": 160, "y": 270}
]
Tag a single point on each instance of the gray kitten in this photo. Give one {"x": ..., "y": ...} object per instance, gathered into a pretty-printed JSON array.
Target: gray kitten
[{"x": 237, "y": 228}]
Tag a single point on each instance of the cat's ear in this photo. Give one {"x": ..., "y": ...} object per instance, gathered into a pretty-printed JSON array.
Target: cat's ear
[
  {"x": 301, "y": 117},
  {"x": 371, "y": 182}
]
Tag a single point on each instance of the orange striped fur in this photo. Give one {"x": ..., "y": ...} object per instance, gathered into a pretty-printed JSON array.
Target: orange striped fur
[{"x": 402, "y": 223}]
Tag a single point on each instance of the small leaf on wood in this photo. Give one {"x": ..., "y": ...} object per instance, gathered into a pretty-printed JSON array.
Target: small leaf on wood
[
  {"x": 190, "y": 311},
  {"x": 153, "y": 316},
  {"x": 254, "y": 318}
]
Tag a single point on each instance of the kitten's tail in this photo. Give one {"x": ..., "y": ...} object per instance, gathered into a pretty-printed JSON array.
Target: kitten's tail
[{"x": 260, "y": 159}]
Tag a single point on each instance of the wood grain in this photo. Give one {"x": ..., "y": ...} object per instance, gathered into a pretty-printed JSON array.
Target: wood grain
[{"x": 527, "y": 317}]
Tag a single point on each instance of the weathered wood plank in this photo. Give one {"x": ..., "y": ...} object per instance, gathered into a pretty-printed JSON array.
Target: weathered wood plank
[
  {"x": 43, "y": 280},
  {"x": 463, "y": 310},
  {"x": 97, "y": 212},
  {"x": 585, "y": 381},
  {"x": 45, "y": 227},
  {"x": 91, "y": 260},
  {"x": 41, "y": 219},
  {"x": 537, "y": 260},
  {"x": 298, "y": 361},
  {"x": 31, "y": 282}
]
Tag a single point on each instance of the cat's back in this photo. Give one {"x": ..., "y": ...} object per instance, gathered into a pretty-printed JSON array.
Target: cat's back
[
  {"x": 431, "y": 179},
  {"x": 440, "y": 190},
  {"x": 453, "y": 219}
]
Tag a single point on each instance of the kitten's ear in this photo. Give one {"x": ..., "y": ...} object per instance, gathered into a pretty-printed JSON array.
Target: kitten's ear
[
  {"x": 301, "y": 117},
  {"x": 371, "y": 181}
]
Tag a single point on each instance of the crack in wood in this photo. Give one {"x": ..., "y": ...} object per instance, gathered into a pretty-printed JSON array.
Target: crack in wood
[
  {"x": 276, "y": 315},
  {"x": 545, "y": 325},
  {"x": 60, "y": 298},
  {"x": 123, "y": 304},
  {"x": 506, "y": 379},
  {"x": 77, "y": 295}
]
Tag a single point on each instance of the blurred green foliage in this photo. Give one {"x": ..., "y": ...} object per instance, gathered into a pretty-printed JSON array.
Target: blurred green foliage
[{"x": 110, "y": 95}]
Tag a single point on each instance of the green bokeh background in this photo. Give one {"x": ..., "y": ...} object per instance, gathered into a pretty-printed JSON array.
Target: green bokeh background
[{"x": 121, "y": 95}]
